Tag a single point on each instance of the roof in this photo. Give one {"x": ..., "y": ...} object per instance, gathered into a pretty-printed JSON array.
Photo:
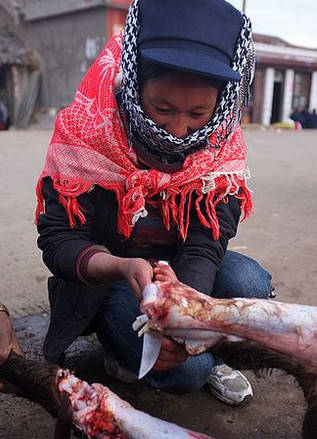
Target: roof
[
  {"x": 12, "y": 49},
  {"x": 275, "y": 52},
  {"x": 276, "y": 41}
]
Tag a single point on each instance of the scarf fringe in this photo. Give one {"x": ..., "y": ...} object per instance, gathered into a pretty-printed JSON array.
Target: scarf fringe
[
  {"x": 176, "y": 203},
  {"x": 68, "y": 191}
]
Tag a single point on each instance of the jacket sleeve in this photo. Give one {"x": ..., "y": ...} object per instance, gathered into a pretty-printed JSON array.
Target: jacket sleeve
[
  {"x": 61, "y": 244},
  {"x": 198, "y": 258}
]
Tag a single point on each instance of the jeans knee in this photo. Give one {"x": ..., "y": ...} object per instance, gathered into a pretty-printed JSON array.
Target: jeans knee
[
  {"x": 241, "y": 276},
  {"x": 254, "y": 281},
  {"x": 185, "y": 378}
]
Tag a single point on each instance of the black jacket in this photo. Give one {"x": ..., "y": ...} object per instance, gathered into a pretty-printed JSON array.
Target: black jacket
[{"x": 73, "y": 305}]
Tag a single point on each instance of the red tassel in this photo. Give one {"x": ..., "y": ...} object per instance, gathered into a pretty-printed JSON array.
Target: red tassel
[
  {"x": 212, "y": 215},
  {"x": 132, "y": 202},
  {"x": 200, "y": 215},
  {"x": 246, "y": 201},
  {"x": 40, "y": 206},
  {"x": 166, "y": 214},
  {"x": 187, "y": 220},
  {"x": 173, "y": 206}
]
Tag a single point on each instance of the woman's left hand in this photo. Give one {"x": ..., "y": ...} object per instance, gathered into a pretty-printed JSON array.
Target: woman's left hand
[
  {"x": 164, "y": 273},
  {"x": 8, "y": 340},
  {"x": 171, "y": 355}
]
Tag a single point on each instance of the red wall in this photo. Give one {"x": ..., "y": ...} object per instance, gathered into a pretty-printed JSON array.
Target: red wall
[{"x": 116, "y": 17}]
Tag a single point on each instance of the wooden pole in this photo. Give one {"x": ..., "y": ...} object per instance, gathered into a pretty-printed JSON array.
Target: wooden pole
[{"x": 244, "y": 6}]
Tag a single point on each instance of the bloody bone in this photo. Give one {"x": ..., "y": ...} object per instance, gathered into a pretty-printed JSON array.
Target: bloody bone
[
  {"x": 248, "y": 333},
  {"x": 93, "y": 409},
  {"x": 201, "y": 321}
]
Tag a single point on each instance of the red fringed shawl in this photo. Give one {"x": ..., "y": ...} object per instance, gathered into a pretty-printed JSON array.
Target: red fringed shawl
[{"x": 89, "y": 146}]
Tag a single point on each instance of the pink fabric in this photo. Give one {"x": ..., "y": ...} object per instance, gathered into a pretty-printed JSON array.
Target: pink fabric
[{"x": 89, "y": 146}]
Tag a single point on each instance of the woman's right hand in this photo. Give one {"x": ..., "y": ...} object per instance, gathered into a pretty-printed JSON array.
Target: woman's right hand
[
  {"x": 138, "y": 272},
  {"x": 107, "y": 268}
]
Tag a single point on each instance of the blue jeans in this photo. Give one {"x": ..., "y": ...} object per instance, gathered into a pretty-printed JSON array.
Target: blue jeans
[{"x": 238, "y": 276}]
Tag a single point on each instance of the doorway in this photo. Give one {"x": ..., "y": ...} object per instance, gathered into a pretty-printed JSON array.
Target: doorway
[
  {"x": 277, "y": 96},
  {"x": 276, "y": 104}
]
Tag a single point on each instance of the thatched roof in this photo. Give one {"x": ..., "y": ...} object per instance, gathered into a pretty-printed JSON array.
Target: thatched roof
[{"x": 12, "y": 49}]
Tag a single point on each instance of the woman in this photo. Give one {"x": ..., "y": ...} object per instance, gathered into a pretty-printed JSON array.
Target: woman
[
  {"x": 8, "y": 339},
  {"x": 152, "y": 169}
]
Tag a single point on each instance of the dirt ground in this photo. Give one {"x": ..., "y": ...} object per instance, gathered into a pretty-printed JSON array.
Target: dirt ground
[{"x": 282, "y": 236}]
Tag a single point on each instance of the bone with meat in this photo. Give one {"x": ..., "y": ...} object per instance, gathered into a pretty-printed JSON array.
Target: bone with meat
[
  {"x": 93, "y": 409},
  {"x": 247, "y": 333}
]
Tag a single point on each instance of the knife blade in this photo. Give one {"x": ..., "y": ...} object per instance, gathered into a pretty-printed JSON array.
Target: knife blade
[{"x": 152, "y": 341}]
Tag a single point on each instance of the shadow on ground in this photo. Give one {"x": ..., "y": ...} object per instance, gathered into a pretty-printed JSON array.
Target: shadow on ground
[{"x": 275, "y": 413}]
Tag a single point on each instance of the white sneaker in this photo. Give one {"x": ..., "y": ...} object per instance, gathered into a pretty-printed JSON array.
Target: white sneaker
[{"x": 229, "y": 385}]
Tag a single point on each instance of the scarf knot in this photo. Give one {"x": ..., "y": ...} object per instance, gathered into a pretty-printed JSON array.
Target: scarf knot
[{"x": 151, "y": 180}]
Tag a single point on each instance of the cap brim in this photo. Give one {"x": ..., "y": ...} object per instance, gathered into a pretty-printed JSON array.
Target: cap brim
[{"x": 192, "y": 62}]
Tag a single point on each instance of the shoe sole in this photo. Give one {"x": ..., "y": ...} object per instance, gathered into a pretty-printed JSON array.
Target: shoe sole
[{"x": 222, "y": 398}]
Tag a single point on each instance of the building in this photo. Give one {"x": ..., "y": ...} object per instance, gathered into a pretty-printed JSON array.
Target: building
[
  {"x": 68, "y": 35},
  {"x": 285, "y": 79},
  {"x": 20, "y": 76}
]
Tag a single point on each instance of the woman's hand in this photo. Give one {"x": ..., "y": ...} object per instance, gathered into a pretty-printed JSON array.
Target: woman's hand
[
  {"x": 164, "y": 273},
  {"x": 107, "y": 268},
  {"x": 171, "y": 355},
  {"x": 138, "y": 272},
  {"x": 8, "y": 340}
]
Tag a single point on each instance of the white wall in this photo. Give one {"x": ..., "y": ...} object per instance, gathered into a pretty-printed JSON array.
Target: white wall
[
  {"x": 288, "y": 95},
  {"x": 313, "y": 92},
  {"x": 268, "y": 96}
]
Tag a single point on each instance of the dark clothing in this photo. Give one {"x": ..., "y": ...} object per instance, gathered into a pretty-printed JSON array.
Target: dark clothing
[
  {"x": 194, "y": 261},
  {"x": 308, "y": 120},
  {"x": 311, "y": 121},
  {"x": 73, "y": 304},
  {"x": 110, "y": 312}
]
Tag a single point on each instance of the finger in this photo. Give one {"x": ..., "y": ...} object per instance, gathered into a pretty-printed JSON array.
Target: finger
[
  {"x": 144, "y": 277},
  {"x": 4, "y": 353},
  {"x": 18, "y": 350},
  {"x": 163, "y": 278},
  {"x": 136, "y": 289},
  {"x": 166, "y": 365},
  {"x": 167, "y": 357},
  {"x": 162, "y": 270},
  {"x": 16, "y": 346},
  {"x": 171, "y": 345},
  {"x": 178, "y": 355}
]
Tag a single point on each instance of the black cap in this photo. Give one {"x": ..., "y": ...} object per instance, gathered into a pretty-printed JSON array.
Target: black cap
[{"x": 198, "y": 36}]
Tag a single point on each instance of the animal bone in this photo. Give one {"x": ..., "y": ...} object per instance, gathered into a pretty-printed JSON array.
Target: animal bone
[
  {"x": 247, "y": 333},
  {"x": 93, "y": 409}
]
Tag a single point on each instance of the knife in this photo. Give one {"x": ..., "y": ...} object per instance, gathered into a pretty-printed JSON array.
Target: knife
[{"x": 152, "y": 341}]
